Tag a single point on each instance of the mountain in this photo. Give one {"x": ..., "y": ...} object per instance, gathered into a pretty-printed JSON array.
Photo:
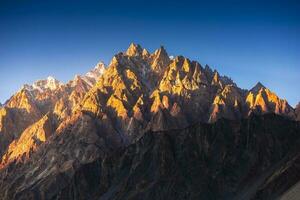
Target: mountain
[
  {"x": 43, "y": 85},
  {"x": 224, "y": 160},
  {"x": 32, "y": 102},
  {"x": 18, "y": 113},
  {"x": 297, "y": 111},
  {"x": 261, "y": 99},
  {"x": 52, "y": 133},
  {"x": 143, "y": 91},
  {"x": 29, "y": 140}
]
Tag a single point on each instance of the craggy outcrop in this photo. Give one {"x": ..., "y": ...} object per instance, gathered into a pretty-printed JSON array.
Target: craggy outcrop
[
  {"x": 203, "y": 161},
  {"x": 147, "y": 126}
]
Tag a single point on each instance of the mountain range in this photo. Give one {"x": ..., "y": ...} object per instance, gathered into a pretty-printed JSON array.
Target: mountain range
[{"x": 147, "y": 126}]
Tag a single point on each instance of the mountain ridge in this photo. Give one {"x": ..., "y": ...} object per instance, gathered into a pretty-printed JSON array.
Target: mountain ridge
[
  {"x": 139, "y": 91},
  {"x": 158, "y": 156},
  {"x": 112, "y": 107}
]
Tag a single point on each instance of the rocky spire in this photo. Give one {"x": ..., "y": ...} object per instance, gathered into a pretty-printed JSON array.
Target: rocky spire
[
  {"x": 161, "y": 52},
  {"x": 42, "y": 85},
  {"x": 97, "y": 71},
  {"x": 100, "y": 66},
  {"x": 145, "y": 53},
  {"x": 32, "y": 137},
  {"x": 257, "y": 87},
  {"x": 160, "y": 59},
  {"x": 208, "y": 72},
  {"x": 216, "y": 80},
  {"x": 134, "y": 50}
]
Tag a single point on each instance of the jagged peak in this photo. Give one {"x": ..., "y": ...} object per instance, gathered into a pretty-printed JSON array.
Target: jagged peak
[
  {"x": 134, "y": 50},
  {"x": 257, "y": 87},
  {"x": 227, "y": 80},
  {"x": 25, "y": 92},
  {"x": 208, "y": 68},
  {"x": 216, "y": 75},
  {"x": 51, "y": 83},
  {"x": 26, "y": 87},
  {"x": 76, "y": 80},
  {"x": 51, "y": 79},
  {"x": 161, "y": 51},
  {"x": 145, "y": 52},
  {"x": 160, "y": 59},
  {"x": 30, "y": 138},
  {"x": 113, "y": 61},
  {"x": 209, "y": 72},
  {"x": 179, "y": 58},
  {"x": 41, "y": 85},
  {"x": 216, "y": 78},
  {"x": 90, "y": 77},
  {"x": 97, "y": 71},
  {"x": 100, "y": 65}
]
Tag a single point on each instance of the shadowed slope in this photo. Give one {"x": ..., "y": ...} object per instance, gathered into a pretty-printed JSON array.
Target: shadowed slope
[{"x": 201, "y": 162}]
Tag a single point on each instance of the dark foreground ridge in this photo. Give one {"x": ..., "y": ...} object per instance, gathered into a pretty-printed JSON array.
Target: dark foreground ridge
[{"x": 254, "y": 158}]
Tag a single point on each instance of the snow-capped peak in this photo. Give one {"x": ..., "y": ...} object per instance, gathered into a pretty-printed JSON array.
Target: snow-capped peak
[
  {"x": 100, "y": 66},
  {"x": 97, "y": 71},
  {"x": 51, "y": 79},
  {"x": 92, "y": 76},
  {"x": 42, "y": 85},
  {"x": 52, "y": 83}
]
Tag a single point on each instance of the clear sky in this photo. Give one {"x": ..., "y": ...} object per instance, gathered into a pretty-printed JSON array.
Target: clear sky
[{"x": 249, "y": 41}]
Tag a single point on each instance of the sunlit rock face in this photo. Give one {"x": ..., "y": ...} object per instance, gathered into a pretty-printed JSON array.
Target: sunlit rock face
[
  {"x": 29, "y": 140},
  {"x": 261, "y": 100},
  {"x": 29, "y": 106},
  {"x": 111, "y": 107},
  {"x": 136, "y": 92},
  {"x": 142, "y": 91},
  {"x": 19, "y": 112},
  {"x": 228, "y": 103},
  {"x": 223, "y": 160}
]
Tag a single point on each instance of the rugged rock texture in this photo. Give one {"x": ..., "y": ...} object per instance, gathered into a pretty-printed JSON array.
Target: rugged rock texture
[
  {"x": 53, "y": 134},
  {"x": 139, "y": 91},
  {"x": 201, "y": 162},
  {"x": 297, "y": 111},
  {"x": 283, "y": 178},
  {"x": 142, "y": 91},
  {"x": 29, "y": 140},
  {"x": 18, "y": 113},
  {"x": 261, "y": 100},
  {"x": 29, "y": 105},
  {"x": 82, "y": 141}
]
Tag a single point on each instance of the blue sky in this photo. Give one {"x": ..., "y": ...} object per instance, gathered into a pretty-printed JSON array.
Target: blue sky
[{"x": 249, "y": 41}]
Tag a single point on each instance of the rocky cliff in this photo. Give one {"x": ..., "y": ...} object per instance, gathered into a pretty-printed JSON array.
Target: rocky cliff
[
  {"x": 144, "y": 112},
  {"x": 32, "y": 102},
  {"x": 297, "y": 111},
  {"x": 224, "y": 160}
]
